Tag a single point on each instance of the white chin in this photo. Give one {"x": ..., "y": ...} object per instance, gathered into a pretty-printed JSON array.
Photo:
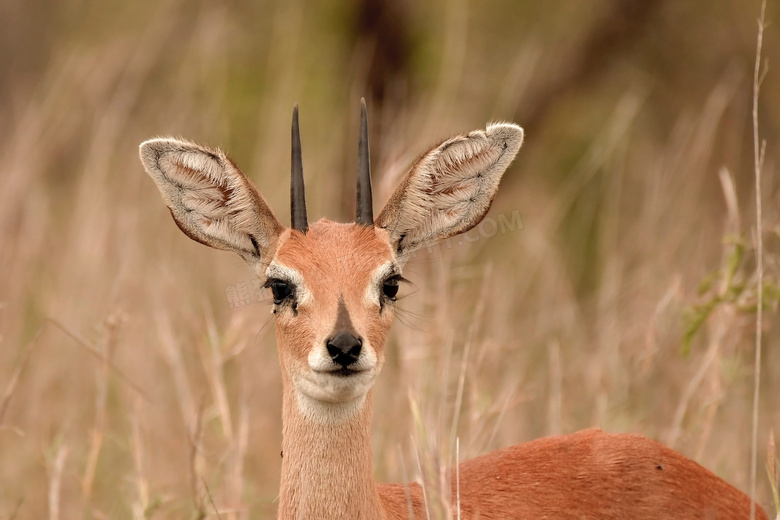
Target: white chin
[{"x": 334, "y": 388}]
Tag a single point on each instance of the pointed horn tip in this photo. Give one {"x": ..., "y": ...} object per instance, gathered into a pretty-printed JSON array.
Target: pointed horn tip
[
  {"x": 364, "y": 210},
  {"x": 297, "y": 190}
]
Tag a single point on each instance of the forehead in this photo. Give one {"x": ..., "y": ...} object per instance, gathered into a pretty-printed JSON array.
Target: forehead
[{"x": 331, "y": 249}]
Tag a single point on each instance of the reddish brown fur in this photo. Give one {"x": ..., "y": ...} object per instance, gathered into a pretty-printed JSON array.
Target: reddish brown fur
[
  {"x": 336, "y": 259},
  {"x": 586, "y": 475}
]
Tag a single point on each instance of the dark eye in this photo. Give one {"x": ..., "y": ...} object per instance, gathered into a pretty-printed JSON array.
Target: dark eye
[
  {"x": 280, "y": 289},
  {"x": 390, "y": 288}
]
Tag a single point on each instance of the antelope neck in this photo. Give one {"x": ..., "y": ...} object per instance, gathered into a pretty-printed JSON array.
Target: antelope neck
[{"x": 326, "y": 465}]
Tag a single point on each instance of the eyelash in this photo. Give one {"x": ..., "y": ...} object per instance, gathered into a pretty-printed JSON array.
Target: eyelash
[
  {"x": 390, "y": 287},
  {"x": 280, "y": 289}
]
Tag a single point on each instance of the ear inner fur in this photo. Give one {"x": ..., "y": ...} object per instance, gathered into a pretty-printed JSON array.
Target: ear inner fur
[
  {"x": 210, "y": 199},
  {"x": 450, "y": 188}
]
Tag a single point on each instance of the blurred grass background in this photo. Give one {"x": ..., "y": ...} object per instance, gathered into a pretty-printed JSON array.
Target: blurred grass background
[{"x": 131, "y": 388}]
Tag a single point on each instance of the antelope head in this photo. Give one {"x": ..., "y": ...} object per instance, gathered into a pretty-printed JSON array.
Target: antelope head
[{"x": 334, "y": 285}]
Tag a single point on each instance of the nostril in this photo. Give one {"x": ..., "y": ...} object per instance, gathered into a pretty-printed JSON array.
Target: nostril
[
  {"x": 354, "y": 352},
  {"x": 344, "y": 348}
]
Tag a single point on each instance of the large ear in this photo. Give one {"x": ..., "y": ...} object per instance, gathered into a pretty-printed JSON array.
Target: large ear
[
  {"x": 450, "y": 188},
  {"x": 210, "y": 199}
]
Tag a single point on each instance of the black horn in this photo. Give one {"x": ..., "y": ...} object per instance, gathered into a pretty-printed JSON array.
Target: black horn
[
  {"x": 365, "y": 209},
  {"x": 297, "y": 190}
]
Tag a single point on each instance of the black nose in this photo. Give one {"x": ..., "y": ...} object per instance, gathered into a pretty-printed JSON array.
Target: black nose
[{"x": 344, "y": 348}]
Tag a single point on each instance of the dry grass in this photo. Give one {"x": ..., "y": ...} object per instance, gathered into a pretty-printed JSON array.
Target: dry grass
[{"x": 129, "y": 387}]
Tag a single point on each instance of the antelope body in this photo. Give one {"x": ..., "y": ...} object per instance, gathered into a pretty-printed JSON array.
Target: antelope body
[{"x": 334, "y": 287}]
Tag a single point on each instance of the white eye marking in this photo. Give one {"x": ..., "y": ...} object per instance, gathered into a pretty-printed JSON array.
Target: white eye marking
[
  {"x": 282, "y": 272},
  {"x": 374, "y": 289}
]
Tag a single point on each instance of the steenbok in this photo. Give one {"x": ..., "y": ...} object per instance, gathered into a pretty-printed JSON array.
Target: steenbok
[{"x": 334, "y": 288}]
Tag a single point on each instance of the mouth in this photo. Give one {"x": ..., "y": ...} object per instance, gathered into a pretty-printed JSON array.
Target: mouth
[{"x": 342, "y": 372}]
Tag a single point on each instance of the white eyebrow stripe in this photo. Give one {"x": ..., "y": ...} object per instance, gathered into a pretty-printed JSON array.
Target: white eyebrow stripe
[
  {"x": 281, "y": 271},
  {"x": 379, "y": 275}
]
